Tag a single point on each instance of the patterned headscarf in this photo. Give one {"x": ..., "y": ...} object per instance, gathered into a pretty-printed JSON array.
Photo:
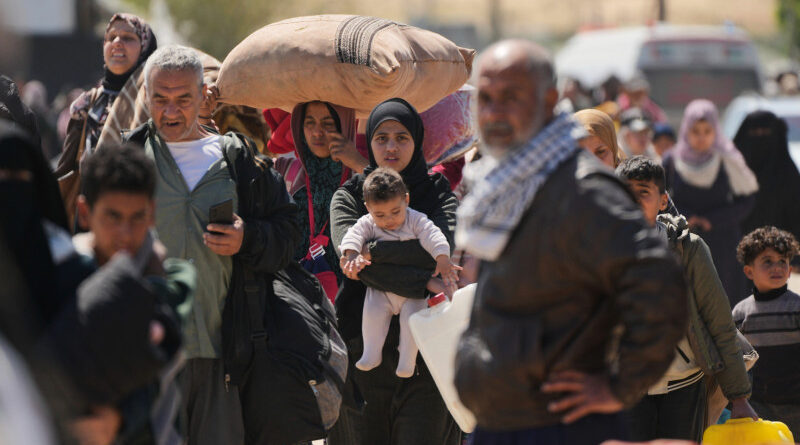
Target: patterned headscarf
[
  {"x": 148, "y": 46},
  {"x": 97, "y": 111}
]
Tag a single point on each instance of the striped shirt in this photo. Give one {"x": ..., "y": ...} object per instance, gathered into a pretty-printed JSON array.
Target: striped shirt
[{"x": 771, "y": 323}]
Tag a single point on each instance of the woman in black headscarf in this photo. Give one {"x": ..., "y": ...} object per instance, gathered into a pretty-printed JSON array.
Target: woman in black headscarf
[
  {"x": 398, "y": 411},
  {"x": 762, "y": 139},
  {"x": 127, "y": 44}
]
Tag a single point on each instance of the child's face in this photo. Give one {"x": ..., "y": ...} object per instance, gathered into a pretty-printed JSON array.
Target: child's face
[
  {"x": 701, "y": 136},
  {"x": 770, "y": 270},
  {"x": 389, "y": 215},
  {"x": 650, "y": 199},
  {"x": 118, "y": 220}
]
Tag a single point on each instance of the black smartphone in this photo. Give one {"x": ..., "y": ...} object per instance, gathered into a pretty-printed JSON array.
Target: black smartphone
[{"x": 221, "y": 213}]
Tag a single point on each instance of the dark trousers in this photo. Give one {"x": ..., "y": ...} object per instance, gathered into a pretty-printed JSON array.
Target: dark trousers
[
  {"x": 398, "y": 411},
  {"x": 213, "y": 416},
  {"x": 589, "y": 430},
  {"x": 678, "y": 414}
]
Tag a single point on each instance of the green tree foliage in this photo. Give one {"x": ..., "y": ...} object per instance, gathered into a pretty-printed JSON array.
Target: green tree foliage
[{"x": 789, "y": 19}]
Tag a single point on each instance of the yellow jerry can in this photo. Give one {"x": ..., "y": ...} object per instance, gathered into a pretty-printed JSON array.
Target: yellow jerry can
[{"x": 748, "y": 432}]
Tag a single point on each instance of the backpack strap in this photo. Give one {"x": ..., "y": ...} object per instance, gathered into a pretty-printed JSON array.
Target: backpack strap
[
  {"x": 252, "y": 283},
  {"x": 252, "y": 286}
]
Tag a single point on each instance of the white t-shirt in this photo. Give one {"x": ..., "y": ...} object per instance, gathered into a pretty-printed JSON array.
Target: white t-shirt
[{"x": 195, "y": 157}]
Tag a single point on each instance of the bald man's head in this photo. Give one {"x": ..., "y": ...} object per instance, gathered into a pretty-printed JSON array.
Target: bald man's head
[
  {"x": 516, "y": 93},
  {"x": 519, "y": 54}
]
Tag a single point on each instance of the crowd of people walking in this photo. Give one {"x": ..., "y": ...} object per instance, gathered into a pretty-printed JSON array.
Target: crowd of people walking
[{"x": 168, "y": 283}]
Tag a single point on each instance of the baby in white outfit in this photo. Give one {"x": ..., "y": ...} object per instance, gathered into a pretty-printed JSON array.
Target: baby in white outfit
[{"x": 390, "y": 219}]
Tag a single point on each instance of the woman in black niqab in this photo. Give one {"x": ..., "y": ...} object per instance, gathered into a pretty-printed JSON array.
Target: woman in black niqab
[{"x": 763, "y": 141}]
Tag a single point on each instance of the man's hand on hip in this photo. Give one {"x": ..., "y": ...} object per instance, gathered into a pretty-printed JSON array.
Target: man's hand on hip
[
  {"x": 227, "y": 240},
  {"x": 586, "y": 394}
]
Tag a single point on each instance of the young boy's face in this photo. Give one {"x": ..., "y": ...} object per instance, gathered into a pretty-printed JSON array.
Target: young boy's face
[
  {"x": 389, "y": 215},
  {"x": 769, "y": 270},
  {"x": 118, "y": 220},
  {"x": 650, "y": 199}
]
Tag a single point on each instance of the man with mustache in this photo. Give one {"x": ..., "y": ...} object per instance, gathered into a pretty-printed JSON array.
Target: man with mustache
[
  {"x": 579, "y": 303},
  {"x": 196, "y": 170}
]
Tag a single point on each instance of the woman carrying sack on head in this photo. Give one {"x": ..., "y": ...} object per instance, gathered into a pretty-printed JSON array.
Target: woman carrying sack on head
[
  {"x": 398, "y": 411},
  {"x": 99, "y": 115},
  {"x": 325, "y": 157}
]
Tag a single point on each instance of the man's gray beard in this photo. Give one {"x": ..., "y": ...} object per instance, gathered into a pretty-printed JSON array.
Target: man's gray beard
[{"x": 499, "y": 153}]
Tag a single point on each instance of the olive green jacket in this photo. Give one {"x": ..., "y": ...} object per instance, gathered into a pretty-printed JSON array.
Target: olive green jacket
[{"x": 712, "y": 333}]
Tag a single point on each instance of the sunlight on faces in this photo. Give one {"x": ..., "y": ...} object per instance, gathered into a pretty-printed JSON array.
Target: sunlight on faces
[
  {"x": 119, "y": 221},
  {"x": 121, "y": 47},
  {"x": 175, "y": 99},
  {"x": 512, "y": 106},
  {"x": 701, "y": 136},
  {"x": 317, "y": 123},
  {"x": 392, "y": 145},
  {"x": 389, "y": 214},
  {"x": 595, "y": 146},
  {"x": 650, "y": 199},
  {"x": 770, "y": 270}
]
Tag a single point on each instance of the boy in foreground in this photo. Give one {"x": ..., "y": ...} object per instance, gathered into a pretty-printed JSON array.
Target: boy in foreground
[
  {"x": 675, "y": 407},
  {"x": 770, "y": 319}
]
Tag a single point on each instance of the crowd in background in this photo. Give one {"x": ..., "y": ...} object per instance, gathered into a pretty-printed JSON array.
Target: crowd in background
[{"x": 124, "y": 306}]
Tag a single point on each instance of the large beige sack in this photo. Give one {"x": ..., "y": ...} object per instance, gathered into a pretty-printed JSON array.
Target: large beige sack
[{"x": 352, "y": 61}]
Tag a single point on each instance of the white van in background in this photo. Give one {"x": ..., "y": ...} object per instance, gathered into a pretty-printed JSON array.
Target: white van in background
[{"x": 681, "y": 62}]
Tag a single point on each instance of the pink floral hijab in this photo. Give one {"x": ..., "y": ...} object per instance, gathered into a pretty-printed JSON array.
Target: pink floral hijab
[{"x": 701, "y": 169}]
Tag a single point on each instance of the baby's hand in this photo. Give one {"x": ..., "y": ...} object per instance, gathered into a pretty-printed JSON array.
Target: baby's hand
[
  {"x": 447, "y": 270},
  {"x": 352, "y": 263}
]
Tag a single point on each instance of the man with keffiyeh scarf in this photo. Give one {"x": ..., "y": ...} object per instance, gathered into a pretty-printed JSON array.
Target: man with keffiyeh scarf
[{"x": 579, "y": 303}]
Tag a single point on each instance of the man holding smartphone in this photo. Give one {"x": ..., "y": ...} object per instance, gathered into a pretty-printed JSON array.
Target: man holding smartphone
[{"x": 198, "y": 170}]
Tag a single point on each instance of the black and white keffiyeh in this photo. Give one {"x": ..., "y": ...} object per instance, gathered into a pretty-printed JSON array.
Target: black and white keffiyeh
[{"x": 503, "y": 190}]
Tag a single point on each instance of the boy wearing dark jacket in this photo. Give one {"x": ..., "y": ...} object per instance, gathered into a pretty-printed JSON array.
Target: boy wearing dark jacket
[
  {"x": 675, "y": 407},
  {"x": 117, "y": 207}
]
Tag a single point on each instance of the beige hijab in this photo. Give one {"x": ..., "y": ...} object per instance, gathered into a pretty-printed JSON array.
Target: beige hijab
[{"x": 600, "y": 125}]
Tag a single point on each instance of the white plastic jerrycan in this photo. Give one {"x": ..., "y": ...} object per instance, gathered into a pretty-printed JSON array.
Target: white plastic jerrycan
[{"x": 437, "y": 330}]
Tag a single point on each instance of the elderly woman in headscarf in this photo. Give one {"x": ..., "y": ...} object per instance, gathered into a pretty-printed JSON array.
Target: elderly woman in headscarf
[
  {"x": 98, "y": 115},
  {"x": 398, "y": 411},
  {"x": 762, "y": 139},
  {"x": 601, "y": 140},
  {"x": 712, "y": 185},
  {"x": 325, "y": 157}
]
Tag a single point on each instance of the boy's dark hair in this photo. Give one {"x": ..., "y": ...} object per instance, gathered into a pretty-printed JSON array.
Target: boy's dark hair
[
  {"x": 383, "y": 184},
  {"x": 642, "y": 168},
  {"x": 765, "y": 238},
  {"x": 118, "y": 169}
]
